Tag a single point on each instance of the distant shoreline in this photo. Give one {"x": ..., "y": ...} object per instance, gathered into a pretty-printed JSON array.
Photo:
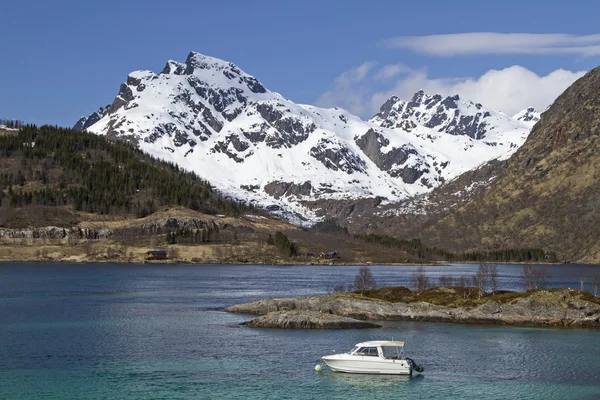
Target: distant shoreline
[{"x": 291, "y": 264}]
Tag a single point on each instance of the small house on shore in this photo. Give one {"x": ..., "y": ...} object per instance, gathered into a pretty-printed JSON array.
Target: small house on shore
[
  {"x": 156, "y": 255},
  {"x": 329, "y": 255}
]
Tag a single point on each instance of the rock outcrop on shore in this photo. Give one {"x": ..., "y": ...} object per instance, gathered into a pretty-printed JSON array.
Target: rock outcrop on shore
[
  {"x": 560, "y": 308},
  {"x": 307, "y": 320}
]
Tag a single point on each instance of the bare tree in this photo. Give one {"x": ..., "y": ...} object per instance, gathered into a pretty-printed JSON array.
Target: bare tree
[
  {"x": 364, "y": 280},
  {"x": 527, "y": 277},
  {"x": 446, "y": 280},
  {"x": 493, "y": 277},
  {"x": 481, "y": 277},
  {"x": 541, "y": 276},
  {"x": 596, "y": 284},
  {"x": 478, "y": 284},
  {"x": 339, "y": 288},
  {"x": 581, "y": 283},
  {"x": 534, "y": 278},
  {"x": 463, "y": 281},
  {"x": 419, "y": 280},
  {"x": 470, "y": 287}
]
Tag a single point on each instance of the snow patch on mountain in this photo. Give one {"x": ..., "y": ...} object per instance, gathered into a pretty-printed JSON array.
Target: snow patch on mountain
[
  {"x": 529, "y": 116},
  {"x": 210, "y": 117}
]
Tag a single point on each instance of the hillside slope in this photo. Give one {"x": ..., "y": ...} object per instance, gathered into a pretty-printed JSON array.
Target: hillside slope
[
  {"x": 547, "y": 194},
  {"x": 56, "y": 167}
]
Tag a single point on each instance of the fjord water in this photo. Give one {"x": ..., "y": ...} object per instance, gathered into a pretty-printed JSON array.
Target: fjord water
[{"x": 160, "y": 332}]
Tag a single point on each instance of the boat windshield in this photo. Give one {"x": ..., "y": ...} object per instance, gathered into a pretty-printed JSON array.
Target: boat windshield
[
  {"x": 368, "y": 351},
  {"x": 353, "y": 350}
]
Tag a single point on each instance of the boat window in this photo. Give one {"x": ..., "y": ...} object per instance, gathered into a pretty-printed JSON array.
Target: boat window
[
  {"x": 354, "y": 349},
  {"x": 368, "y": 351},
  {"x": 392, "y": 352}
]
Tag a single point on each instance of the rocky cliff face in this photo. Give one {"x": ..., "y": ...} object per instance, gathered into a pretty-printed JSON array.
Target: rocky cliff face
[
  {"x": 85, "y": 122},
  {"x": 157, "y": 224},
  {"x": 209, "y": 116}
]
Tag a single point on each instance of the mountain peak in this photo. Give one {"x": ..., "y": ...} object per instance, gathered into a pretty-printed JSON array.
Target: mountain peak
[
  {"x": 198, "y": 60},
  {"x": 450, "y": 114},
  {"x": 418, "y": 96},
  {"x": 529, "y": 116},
  {"x": 194, "y": 55}
]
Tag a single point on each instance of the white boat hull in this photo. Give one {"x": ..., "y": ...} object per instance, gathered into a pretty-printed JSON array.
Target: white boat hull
[{"x": 367, "y": 365}]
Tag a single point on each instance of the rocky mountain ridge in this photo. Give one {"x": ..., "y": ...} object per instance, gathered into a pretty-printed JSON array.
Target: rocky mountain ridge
[
  {"x": 208, "y": 116},
  {"x": 451, "y": 115}
]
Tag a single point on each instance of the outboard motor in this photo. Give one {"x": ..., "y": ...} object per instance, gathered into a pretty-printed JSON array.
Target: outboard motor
[{"x": 415, "y": 366}]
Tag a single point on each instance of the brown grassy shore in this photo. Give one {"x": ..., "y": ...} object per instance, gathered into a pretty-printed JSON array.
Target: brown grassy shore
[{"x": 59, "y": 234}]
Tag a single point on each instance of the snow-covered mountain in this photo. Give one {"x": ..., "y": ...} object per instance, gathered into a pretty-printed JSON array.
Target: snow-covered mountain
[
  {"x": 451, "y": 115},
  {"x": 529, "y": 116},
  {"x": 209, "y": 116}
]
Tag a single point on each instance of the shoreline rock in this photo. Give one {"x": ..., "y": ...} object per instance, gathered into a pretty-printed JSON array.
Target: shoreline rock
[
  {"x": 562, "y": 308},
  {"x": 307, "y": 320}
]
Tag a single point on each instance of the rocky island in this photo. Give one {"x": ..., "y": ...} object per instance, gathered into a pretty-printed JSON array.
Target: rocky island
[
  {"x": 307, "y": 320},
  {"x": 554, "y": 307}
]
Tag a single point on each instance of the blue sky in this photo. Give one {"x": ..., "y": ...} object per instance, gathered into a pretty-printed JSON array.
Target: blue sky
[{"x": 64, "y": 59}]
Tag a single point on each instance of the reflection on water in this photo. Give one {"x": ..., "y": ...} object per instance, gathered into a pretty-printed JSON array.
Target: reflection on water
[
  {"x": 393, "y": 382},
  {"x": 140, "y": 332}
]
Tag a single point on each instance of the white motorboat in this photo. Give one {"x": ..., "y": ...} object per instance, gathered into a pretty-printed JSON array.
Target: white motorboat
[{"x": 374, "y": 357}]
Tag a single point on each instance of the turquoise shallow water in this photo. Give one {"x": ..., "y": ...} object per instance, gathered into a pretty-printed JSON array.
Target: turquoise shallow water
[{"x": 160, "y": 332}]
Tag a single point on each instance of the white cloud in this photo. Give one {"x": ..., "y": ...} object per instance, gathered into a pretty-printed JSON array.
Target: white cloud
[
  {"x": 355, "y": 75},
  {"x": 391, "y": 70},
  {"x": 498, "y": 43},
  {"x": 509, "y": 90},
  {"x": 348, "y": 86}
]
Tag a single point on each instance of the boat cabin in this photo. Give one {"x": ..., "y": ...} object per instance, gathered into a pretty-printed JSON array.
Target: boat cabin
[{"x": 391, "y": 350}]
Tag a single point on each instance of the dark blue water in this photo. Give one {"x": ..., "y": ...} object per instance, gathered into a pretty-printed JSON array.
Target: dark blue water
[{"x": 160, "y": 332}]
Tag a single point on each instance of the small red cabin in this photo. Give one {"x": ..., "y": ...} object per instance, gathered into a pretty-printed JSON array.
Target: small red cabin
[{"x": 156, "y": 255}]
